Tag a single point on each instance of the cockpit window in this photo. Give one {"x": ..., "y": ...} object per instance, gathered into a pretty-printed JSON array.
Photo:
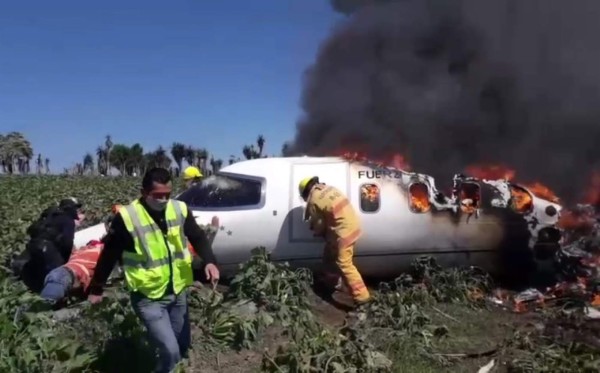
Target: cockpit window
[{"x": 221, "y": 191}]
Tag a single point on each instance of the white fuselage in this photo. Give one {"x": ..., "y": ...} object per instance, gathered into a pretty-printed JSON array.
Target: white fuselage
[{"x": 393, "y": 235}]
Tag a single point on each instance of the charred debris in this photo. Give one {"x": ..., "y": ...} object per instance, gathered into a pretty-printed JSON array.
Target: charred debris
[
  {"x": 575, "y": 259},
  {"x": 465, "y": 194}
]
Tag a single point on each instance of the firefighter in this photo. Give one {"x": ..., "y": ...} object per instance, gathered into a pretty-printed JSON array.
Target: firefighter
[
  {"x": 191, "y": 176},
  {"x": 331, "y": 216}
]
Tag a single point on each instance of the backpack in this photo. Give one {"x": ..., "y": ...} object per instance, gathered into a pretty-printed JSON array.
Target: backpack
[
  {"x": 30, "y": 265},
  {"x": 43, "y": 227}
]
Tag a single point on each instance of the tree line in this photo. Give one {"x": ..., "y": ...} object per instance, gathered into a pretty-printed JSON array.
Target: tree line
[{"x": 16, "y": 154}]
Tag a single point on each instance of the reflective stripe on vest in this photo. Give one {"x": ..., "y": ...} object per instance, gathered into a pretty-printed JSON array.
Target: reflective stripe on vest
[
  {"x": 141, "y": 230},
  {"x": 148, "y": 270}
]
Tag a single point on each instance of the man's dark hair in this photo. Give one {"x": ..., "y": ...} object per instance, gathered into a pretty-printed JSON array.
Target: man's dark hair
[{"x": 155, "y": 175}]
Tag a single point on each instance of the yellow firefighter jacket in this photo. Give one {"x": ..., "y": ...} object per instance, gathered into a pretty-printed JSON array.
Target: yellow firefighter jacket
[{"x": 332, "y": 216}]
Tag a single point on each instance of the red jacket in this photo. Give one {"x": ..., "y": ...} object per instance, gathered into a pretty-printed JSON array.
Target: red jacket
[{"x": 83, "y": 262}]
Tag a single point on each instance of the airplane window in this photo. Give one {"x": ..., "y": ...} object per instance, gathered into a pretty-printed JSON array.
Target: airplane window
[
  {"x": 369, "y": 198},
  {"x": 221, "y": 191},
  {"x": 520, "y": 201},
  {"x": 419, "y": 198},
  {"x": 469, "y": 197}
]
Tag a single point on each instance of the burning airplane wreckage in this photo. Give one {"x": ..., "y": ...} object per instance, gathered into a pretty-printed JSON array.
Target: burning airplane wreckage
[
  {"x": 485, "y": 220},
  {"x": 563, "y": 246}
]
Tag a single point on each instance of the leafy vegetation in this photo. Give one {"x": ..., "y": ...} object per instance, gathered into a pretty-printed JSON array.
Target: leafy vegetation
[{"x": 430, "y": 320}]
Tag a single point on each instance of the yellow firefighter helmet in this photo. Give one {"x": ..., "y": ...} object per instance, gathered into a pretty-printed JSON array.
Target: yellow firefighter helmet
[
  {"x": 191, "y": 173},
  {"x": 305, "y": 184}
]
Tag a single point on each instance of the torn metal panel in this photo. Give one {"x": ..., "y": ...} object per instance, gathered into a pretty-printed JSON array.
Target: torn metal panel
[{"x": 473, "y": 196}]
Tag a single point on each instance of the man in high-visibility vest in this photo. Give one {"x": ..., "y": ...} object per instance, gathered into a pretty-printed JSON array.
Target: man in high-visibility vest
[
  {"x": 331, "y": 216},
  {"x": 150, "y": 235}
]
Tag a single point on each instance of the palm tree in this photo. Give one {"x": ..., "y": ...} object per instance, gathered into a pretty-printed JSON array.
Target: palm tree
[
  {"x": 15, "y": 152},
  {"x": 202, "y": 158},
  {"x": 247, "y": 151},
  {"x": 88, "y": 163},
  {"x": 216, "y": 164},
  {"x": 3, "y": 153},
  {"x": 101, "y": 160},
  {"x": 158, "y": 158},
  {"x": 118, "y": 157},
  {"x": 38, "y": 164},
  {"x": 135, "y": 162},
  {"x": 108, "y": 146},
  {"x": 78, "y": 169},
  {"x": 190, "y": 155},
  {"x": 260, "y": 141},
  {"x": 251, "y": 152},
  {"x": 178, "y": 151}
]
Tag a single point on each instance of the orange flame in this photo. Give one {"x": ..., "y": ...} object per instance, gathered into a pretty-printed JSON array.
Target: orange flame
[
  {"x": 370, "y": 192},
  {"x": 394, "y": 160},
  {"x": 469, "y": 196},
  {"x": 521, "y": 199},
  {"x": 419, "y": 197},
  {"x": 490, "y": 172},
  {"x": 592, "y": 195},
  {"x": 543, "y": 191},
  {"x": 504, "y": 172}
]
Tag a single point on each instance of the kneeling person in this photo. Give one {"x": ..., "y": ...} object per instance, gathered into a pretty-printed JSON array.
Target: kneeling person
[
  {"x": 74, "y": 275},
  {"x": 77, "y": 273}
]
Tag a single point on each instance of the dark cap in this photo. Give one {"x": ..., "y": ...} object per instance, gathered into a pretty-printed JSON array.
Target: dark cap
[{"x": 69, "y": 203}]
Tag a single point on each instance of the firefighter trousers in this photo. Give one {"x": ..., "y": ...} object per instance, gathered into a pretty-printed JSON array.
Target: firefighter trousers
[{"x": 338, "y": 263}]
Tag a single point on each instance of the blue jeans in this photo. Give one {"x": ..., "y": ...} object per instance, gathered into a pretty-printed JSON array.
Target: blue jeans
[
  {"x": 57, "y": 284},
  {"x": 168, "y": 324}
]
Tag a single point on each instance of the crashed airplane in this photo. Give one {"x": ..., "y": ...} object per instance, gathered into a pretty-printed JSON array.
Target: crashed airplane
[{"x": 403, "y": 216}]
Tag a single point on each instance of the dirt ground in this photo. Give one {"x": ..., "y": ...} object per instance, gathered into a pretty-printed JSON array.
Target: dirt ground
[{"x": 471, "y": 331}]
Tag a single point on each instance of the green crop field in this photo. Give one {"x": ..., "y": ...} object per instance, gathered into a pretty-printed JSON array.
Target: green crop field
[{"x": 268, "y": 318}]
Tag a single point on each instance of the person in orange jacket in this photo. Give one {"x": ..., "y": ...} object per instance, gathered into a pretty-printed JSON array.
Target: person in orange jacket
[
  {"x": 77, "y": 273},
  {"x": 331, "y": 216}
]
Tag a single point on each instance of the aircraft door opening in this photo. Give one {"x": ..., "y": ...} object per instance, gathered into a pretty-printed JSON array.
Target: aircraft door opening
[{"x": 334, "y": 174}]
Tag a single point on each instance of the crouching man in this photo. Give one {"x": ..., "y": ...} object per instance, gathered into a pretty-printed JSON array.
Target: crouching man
[
  {"x": 74, "y": 275},
  {"x": 331, "y": 216}
]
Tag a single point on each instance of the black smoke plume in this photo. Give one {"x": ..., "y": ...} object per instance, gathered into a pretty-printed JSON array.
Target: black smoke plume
[{"x": 450, "y": 83}]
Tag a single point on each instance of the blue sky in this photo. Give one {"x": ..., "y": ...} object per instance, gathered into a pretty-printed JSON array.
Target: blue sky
[{"x": 212, "y": 74}]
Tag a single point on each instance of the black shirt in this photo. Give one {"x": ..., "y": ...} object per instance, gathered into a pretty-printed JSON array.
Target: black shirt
[
  {"x": 119, "y": 239},
  {"x": 61, "y": 231}
]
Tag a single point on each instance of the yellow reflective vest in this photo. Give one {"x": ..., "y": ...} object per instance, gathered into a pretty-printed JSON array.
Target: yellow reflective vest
[{"x": 147, "y": 270}]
